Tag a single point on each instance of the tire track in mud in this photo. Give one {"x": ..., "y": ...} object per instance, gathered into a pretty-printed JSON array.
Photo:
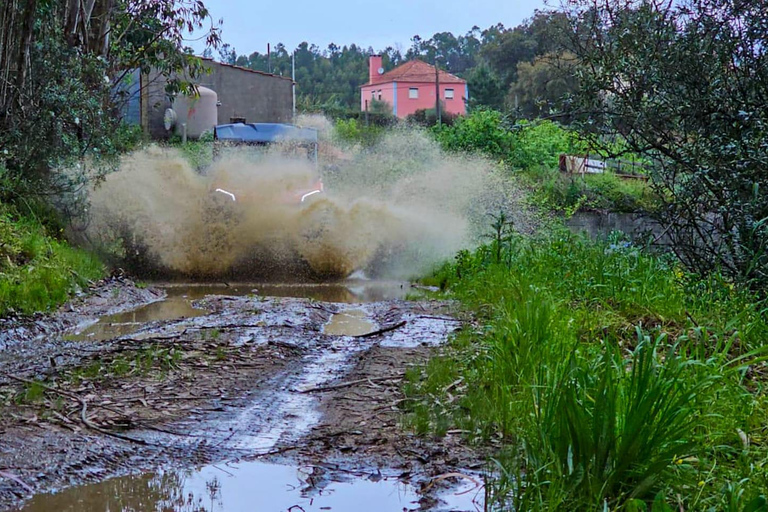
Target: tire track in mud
[
  {"x": 284, "y": 410},
  {"x": 278, "y": 404}
]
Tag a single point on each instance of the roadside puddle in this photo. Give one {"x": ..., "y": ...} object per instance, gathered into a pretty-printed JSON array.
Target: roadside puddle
[
  {"x": 178, "y": 305},
  {"x": 123, "y": 324},
  {"x": 250, "y": 486},
  {"x": 349, "y": 291},
  {"x": 352, "y": 322}
]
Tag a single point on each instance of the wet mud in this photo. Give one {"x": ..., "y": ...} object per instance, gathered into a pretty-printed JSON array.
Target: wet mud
[{"x": 226, "y": 398}]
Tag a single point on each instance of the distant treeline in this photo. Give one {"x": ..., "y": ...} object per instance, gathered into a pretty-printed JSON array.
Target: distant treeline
[{"x": 505, "y": 67}]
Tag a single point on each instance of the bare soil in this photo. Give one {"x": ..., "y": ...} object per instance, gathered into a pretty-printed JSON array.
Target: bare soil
[{"x": 254, "y": 378}]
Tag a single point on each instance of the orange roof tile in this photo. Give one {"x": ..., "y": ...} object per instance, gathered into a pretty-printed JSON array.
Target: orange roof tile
[{"x": 416, "y": 71}]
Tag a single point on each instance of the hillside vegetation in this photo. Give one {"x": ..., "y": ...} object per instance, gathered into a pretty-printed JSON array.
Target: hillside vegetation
[{"x": 39, "y": 271}]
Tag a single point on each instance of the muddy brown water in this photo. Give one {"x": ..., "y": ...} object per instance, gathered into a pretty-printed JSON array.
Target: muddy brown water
[
  {"x": 178, "y": 304},
  {"x": 247, "y": 487},
  {"x": 352, "y": 322}
]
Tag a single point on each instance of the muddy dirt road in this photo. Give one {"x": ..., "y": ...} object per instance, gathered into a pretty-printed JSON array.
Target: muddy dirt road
[{"x": 225, "y": 398}]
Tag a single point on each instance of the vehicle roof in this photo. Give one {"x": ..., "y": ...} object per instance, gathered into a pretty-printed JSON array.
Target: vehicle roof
[{"x": 265, "y": 132}]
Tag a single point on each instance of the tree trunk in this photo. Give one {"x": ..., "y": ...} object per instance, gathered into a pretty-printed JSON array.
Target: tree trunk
[
  {"x": 100, "y": 27},
  {"x": 25, "y": 43},
  {"x": 72, "y": 20},
  {"x": 8, "y": 50}
]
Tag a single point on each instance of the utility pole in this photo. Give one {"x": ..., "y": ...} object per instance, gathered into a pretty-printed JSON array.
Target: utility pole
[
  {"x": 293, "y": 85},
  {"x": 269, "y": 59},
  {"x": 438, "y": 115}
]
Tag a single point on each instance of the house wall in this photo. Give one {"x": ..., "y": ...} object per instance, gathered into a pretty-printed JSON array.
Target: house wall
[
  {"x": 258, "y": 97},
  {"x": 370, "y": 92},
  {"x": 397, "y": 96}
]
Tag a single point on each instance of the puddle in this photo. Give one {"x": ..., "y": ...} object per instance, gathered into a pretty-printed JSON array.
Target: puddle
[
  {"x": 247, "y": 487},
  {"x": 349, "y": 291},
  {"x": 352, "y": 322},
  {"x": 122, "y": 324},
  {"x": 178, "y": 304}
]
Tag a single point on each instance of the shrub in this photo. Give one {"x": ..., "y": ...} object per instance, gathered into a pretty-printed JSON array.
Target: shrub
[
  {"x": 542, "y": 142},
  {"x": 482, "y": 131}
]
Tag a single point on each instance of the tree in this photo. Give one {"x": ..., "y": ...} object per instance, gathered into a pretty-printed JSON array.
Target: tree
[
  {"x": 227, "y": 54},
  {"x": 542, "y": 86},
  {"x": 505, "y": 50},
  {"x": 81, "y": 52},
  {"x": 485, "y": 88},
  {"x": 685, "y": 83}
]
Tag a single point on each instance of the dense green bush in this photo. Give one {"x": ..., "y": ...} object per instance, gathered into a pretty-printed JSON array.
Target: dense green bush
[
  {"x": 531, "y": 151},
  {"x": 482, "y": 131},
  {"x": 541, "y": 143},
  {"x": 522, "y": 146},
  {"x": 568, "y": 193}
]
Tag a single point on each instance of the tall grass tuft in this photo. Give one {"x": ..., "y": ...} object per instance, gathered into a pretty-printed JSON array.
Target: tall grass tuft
[{"x": 614, "y": 380}]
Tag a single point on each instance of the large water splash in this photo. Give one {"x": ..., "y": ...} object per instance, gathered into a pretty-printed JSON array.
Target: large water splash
[{"x": 393, "y": 210}]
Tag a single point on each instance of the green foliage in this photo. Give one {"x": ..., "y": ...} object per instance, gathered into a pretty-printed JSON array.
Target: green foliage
[
  {"x": 486, "y": 88},
  {"x": 354, "y": 131},
  {"x": 542, "y": 142},
  {"x": 427, "y": 117},
  {"x": 481, "y": 131},
  {"x": 543, "y": 85},
  {"x": 532, "y": 150},
  {"x": 569, "y": 193},
  {"x": 612, "y": 378},
  {"x": 63, "y": 67},
  {"x": 198, "y": 152},
  {"x": 37, "y": 272},
  {"x": 685, "y": 85},
  {"x": 524, "y": 145},
  {"x": 326, "y": 79}
]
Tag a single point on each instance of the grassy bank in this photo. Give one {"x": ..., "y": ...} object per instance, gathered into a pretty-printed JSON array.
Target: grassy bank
[
  {"x": 604, "y": 378},
  {"x": 37, "y": 271},
  {"x": 530, "y": 152}
]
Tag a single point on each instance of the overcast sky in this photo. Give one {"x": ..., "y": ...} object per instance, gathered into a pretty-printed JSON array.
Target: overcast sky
[{"x": 249, "y": 25}]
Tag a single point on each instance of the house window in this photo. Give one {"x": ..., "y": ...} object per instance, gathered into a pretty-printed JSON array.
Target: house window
[
  {"x": 449, "y": 94},
  {"x": 379, "y": 94},
  {"x": 413, "y": 93},
  {"x": 373, "y": 95}
]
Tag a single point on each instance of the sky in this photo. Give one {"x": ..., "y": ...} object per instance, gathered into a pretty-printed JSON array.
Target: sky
[{"x": 249, "y": 25}]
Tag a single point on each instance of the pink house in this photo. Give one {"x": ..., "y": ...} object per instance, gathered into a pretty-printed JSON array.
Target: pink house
[{"x": 412, "y": 87}]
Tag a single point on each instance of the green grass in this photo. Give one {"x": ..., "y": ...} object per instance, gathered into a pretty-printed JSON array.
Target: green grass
[
  {"x": 151, "y": 360},
  {"x": 567, "y": 193},
  {"x": 198, "y": 152},
  {"x": 605, "y": 378},
  {"x": 38, "y": 272}
]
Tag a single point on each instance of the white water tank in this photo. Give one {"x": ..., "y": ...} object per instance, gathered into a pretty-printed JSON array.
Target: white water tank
[{"x": 199, "y": 113}]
